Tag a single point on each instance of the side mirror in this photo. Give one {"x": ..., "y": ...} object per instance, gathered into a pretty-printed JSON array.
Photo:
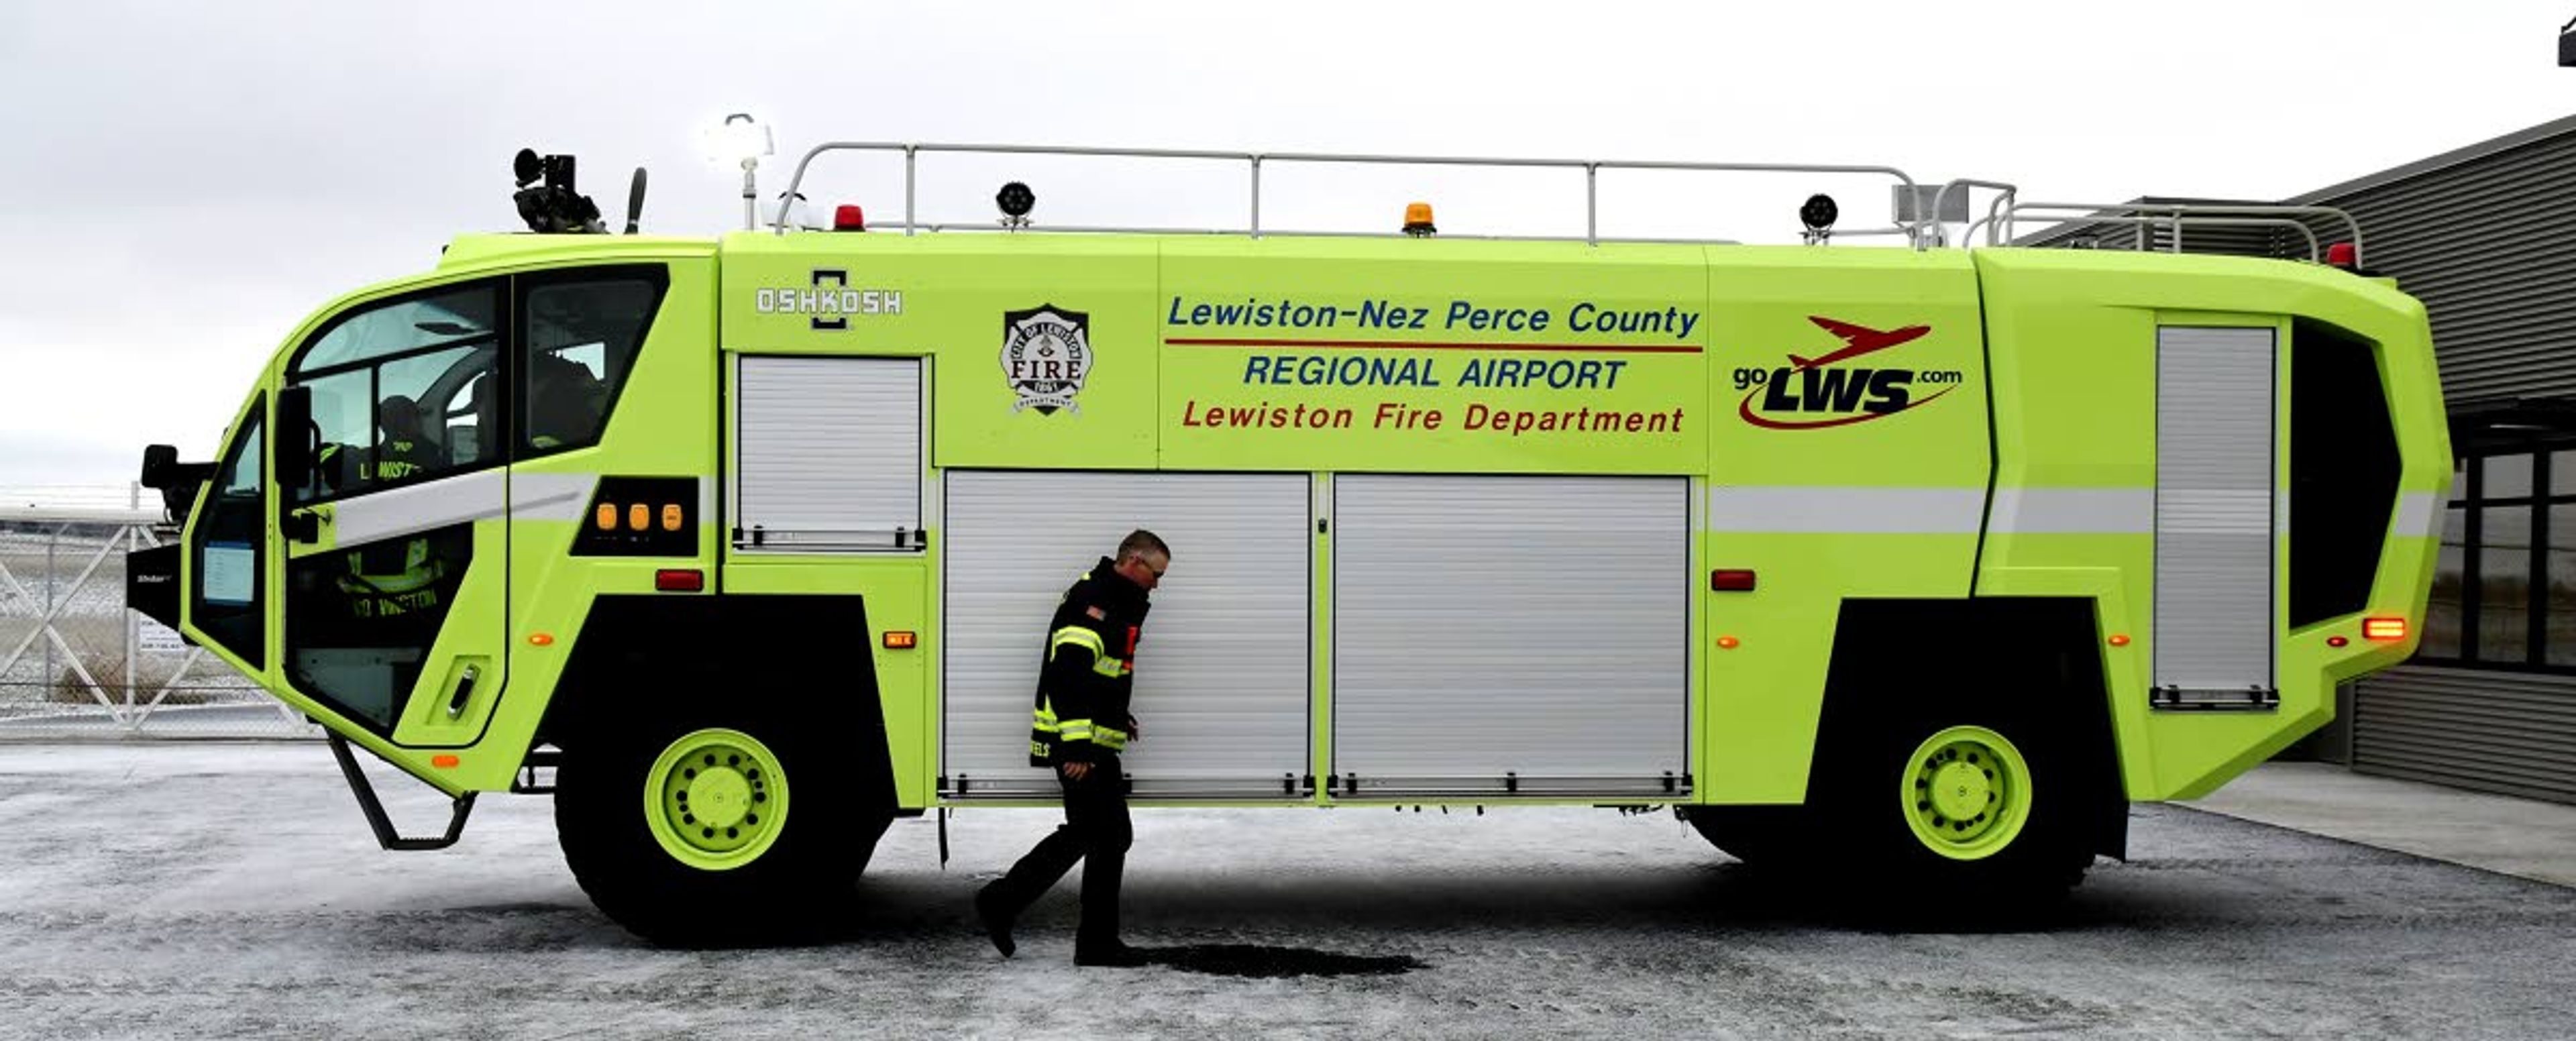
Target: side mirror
[
  {"x": 294, "y": 441},
  {"x": 157, "y": 463}
]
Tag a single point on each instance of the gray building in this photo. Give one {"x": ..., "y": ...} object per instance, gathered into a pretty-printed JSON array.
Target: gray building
[{"x": 2485, "y": 236}]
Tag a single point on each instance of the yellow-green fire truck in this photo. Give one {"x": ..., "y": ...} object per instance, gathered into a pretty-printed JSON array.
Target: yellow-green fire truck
[{"x": 1926, "y": 558}]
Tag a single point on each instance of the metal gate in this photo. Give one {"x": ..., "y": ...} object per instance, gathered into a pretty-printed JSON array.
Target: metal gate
[{"x": 74, "y": 662}]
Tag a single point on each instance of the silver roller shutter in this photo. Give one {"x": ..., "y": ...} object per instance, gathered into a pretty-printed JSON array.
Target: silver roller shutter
[
  {"x": 2214, "y": 512},
  {"x": 1222, "y": 670},
  {"x": 1495, "y": 634},
  {"x": 828, "y": 454}
]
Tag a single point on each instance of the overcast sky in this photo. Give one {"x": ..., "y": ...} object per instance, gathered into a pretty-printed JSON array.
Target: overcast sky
[{"x": 181, "y": 184}]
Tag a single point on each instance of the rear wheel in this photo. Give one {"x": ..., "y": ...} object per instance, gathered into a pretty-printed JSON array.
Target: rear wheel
[
  {"x": 1963, "y": 817},
  {"x": 699, "y": 830}
]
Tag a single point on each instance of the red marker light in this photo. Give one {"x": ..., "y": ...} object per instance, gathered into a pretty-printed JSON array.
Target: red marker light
[
  {"x": 849, "y": 218},
  {"x": 1730, "y": 581},
  {"x": 2384, "y": 630},
  {"x": 680, "y": 580},
  {"x": 2336, "y": 641}
]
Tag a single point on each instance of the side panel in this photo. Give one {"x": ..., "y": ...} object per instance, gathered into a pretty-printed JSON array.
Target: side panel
[
  {"x": 1850, "y": 459},
  {"x": 2073, "y": 339},
  {"x": 1221, "y": 671},
  {"x": 1535, "y": 627}
]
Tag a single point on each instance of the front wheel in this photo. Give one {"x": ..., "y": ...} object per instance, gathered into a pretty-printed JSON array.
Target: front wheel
[{"x": 713, "y": 832}]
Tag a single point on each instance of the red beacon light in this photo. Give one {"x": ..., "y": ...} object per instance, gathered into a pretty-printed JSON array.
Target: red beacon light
[
  {"x": 2340, "y": 255},
  {"x": 849, "y": 218}
]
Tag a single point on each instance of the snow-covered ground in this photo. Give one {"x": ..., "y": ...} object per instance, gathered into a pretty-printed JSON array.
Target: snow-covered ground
[{"x": 232, "y": 890}]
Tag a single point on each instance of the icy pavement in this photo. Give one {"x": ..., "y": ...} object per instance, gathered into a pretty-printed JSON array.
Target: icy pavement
[{"x": 233, "y": 891}]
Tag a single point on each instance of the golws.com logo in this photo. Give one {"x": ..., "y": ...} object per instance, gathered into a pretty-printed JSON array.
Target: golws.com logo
[{"x": 1814, "y": 393}]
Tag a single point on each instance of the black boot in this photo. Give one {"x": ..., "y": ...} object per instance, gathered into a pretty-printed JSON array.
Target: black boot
[{"x": 997, "y": 923}]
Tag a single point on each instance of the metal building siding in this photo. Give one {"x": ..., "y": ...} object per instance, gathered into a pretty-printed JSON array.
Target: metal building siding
[
  {"x": 1222, "y": 668},
  {"x": 2489, "y": 245},
  {"x": 1485, "y": 625},
  {"x": 828, "y": 450},
  {"x": 2214, "y": 508},
  {"x": 2502, "y": 732}
]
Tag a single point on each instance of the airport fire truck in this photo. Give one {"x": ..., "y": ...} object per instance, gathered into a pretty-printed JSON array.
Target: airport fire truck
[{"x": 1921, "y": 558}]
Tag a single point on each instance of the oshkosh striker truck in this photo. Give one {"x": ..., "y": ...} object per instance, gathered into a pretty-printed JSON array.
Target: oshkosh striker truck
[{"x": 1925, "y": 558}]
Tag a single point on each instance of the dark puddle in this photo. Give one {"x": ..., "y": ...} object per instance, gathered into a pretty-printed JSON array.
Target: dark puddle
[{"x": 1251, "y": 960}]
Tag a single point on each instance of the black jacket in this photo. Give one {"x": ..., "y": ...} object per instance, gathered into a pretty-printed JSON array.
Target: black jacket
[{"x": 1089, "y": 670}]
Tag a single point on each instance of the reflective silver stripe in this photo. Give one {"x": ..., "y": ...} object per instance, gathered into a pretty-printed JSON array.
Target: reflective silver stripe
[
  {"x": 1845, "y": 510},
  {"x": 404, "y": 509},
  {"x": 2074, "y": 511},
  {"x": 552, "y": 496},
  {"x": 2419, "y": 514}
]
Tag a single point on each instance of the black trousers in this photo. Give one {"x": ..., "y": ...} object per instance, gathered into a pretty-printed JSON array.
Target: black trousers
[{"x": 1096, "y": 832}]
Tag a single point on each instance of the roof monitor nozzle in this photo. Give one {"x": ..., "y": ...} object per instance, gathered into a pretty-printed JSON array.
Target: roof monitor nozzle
[
  {"x": 1818, "y": 215},
  {"x": 1016, "y": 200},
  {"x": 554, "y": 207}
]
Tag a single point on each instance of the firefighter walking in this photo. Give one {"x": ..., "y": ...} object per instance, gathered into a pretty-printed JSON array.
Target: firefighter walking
[{"x": 1081, "y": 725}]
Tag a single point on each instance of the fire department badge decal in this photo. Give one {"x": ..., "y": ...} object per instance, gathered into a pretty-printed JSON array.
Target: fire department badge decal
[{"x": 1046, "y": 352}]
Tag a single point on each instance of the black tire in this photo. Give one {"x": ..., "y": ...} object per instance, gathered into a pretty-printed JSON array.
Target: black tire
[
  {"x": 796, "y": 889},
  {"x": 1906, "y": 878}
]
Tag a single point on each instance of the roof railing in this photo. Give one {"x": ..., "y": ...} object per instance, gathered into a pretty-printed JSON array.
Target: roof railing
[
  {"x": 1921, "y": 232},
  {"x": 2001, "y": 219}
]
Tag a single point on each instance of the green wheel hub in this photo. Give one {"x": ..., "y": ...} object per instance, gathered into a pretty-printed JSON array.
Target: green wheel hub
[
  {"x": 715, "y": 799},
  {"x": 1966, "y": 792}
]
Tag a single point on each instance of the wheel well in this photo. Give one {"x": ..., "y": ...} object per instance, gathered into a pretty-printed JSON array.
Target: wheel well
[
  {"x": 636, "y": 651},
  {"x": 2042, "y": 656}
]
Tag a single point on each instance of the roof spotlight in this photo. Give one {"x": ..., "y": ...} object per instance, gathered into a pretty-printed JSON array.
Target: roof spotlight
[
  {"x": 1016, "y": 200},
  {"x": 1818, "y": 215}
]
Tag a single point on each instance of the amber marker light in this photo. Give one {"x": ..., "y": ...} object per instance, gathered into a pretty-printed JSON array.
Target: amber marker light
[
  {"x": 444, "y": 762},
  {"x": 671, "y": 516},
  {"x": 2384, "y": 630},
  {"x": 542, "y": 639},
  {"x": 606, "y": 517},
  {"x": 639, "y": 516},
  {"x": 1417, "y": 219},
  {"x": 2119, "y": 639},
  {"x": 1728, "y": 643},
  {"x": 900, "y": 640}
]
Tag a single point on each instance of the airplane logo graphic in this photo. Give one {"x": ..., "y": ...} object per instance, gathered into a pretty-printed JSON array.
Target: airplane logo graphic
[{"x": 1858, "y": 340}]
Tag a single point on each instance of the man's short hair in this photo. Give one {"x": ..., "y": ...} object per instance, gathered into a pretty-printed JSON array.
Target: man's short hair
[{"x": 1140, "y": 542}]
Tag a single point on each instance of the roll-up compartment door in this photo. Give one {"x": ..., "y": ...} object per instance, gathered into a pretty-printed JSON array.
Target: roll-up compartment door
[
  {"x": 1499, "y": 635},
  {"x": 1222, "y": 668},
  {"x": 828, "y": 454},
  {"x": 2214, "y": 516}
]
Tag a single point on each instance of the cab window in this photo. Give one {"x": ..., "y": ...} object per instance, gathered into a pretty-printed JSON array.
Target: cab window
[
  {"x": 580, "y": 335},
  {"x": 402, "y": 391}
]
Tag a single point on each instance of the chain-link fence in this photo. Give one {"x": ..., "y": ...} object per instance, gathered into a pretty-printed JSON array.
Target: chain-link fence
[{"x": 74, "y": 662}]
